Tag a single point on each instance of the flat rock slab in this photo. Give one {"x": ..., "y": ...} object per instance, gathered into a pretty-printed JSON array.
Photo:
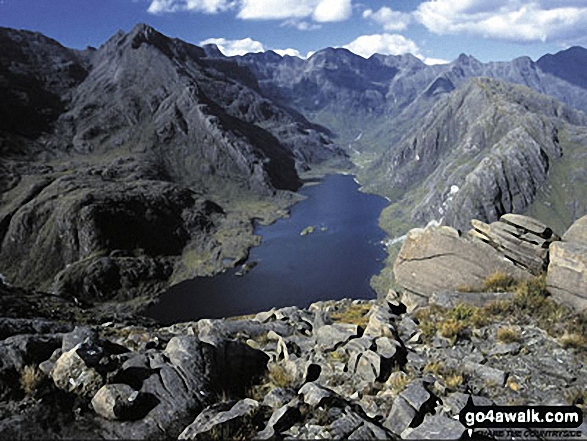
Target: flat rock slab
[
  {"x": 329, "y": 337},
  {"x": 527, "y": 223},
  {"x": 439, "y": 259}
]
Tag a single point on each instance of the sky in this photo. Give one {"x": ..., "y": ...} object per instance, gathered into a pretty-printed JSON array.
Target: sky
[{"x": 435, "y": 31}]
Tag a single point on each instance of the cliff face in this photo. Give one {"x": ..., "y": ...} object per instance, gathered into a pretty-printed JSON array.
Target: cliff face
[
  {"x": 111, "y": 156},
  {"x": 480, "y": 152}
]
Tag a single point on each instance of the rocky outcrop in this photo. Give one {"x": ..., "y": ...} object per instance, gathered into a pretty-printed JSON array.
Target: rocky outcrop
[
  {"x": 438, "y": 259},
  {"x": 521, "y": 239},
  {"x": 309, "y": 376},
  {"x": 567, "y": 271}
]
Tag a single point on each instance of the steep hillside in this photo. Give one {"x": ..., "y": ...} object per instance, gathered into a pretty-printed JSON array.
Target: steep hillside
[
  {"x": 484, "y": 150},
  {"x": 110, "y": 171}
]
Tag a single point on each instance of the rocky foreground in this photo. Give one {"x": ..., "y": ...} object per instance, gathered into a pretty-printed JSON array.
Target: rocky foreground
[{"x": 395, "y": 368}]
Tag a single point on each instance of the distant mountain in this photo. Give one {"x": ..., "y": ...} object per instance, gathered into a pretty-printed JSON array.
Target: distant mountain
[
  {"x": 570, "y": 65},
  {"x": 111, "y": 157},
  {"x": 484, "y": 150},
  {"x": 356, "y": 97}
]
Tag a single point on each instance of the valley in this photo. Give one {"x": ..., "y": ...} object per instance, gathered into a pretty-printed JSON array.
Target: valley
[{"x": 201, "y": 246}]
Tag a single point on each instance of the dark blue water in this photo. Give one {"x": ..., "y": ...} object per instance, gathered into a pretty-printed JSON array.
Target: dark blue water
[{"x": 334, "y": 262}]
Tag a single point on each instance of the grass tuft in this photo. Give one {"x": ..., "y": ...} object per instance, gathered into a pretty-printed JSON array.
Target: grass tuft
[
  {"x": 508, "y": 335},
  {"x": 499, "y": 282},
  {"x": 31, "y": 378},
  {"x": 355, "y": 314}
]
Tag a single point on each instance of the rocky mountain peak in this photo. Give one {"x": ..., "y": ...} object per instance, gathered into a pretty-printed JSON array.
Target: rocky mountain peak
[
  {"x": 212, "y": 51},
  {"x": 570, "y": 65}
]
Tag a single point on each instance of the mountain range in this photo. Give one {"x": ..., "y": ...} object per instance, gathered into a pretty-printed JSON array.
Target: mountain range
[{"x": 141, "y": 163}]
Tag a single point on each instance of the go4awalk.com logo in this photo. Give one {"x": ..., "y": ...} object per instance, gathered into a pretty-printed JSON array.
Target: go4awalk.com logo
[{"x": 522, "y": 421}]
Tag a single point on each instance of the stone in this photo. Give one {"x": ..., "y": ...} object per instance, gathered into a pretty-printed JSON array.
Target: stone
[
  {"x": 316, "y": 396},
  {"x": 504, "y": 349},
  {"x": 527, "y": 223},
  {"x": 121, "y": 402},
  {"x": 265, "y": 316},
  {"x": 455, "y": 402},
  {"x": 14, "y": 326},
  {"x": 224, "y": 420},
  {"x": 400, "y": 417},
  {"x": 518, "y": 242},
  {"x": 413, "y": 301},
  {"x": 407, "y": 327},
  {"x": 449, "y": 299},
  {"x": 72, "y": 374},
  {"x": 329, "y": 337},
  {"x": 417, "y": 396},
  {"x": 429, "y": 259},
  {"x": 486, "y": 373},
  {"x": 577, "y": 232},
  {"x": 567, "y": 274},
  {"x": 278, "y": 397},
  {"x": 370, "y": 431},
  {"x": 387, "y": 347},
  {"x": 281, "y": 420},
  {"x": 358, "y": 345},
  {"x": 77, "y": 336},
  {"x": 380, "y": 322},
  {"x": 367, "y": 366},
  {"x": 436, "y": 427},
  {"x": 346, "y": 424}
]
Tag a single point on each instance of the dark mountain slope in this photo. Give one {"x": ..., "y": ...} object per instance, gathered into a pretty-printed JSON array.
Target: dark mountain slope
[
  {"x": 36, "y": 74},
  {"x": 111, "y": 196},
  {"x": 569, "y": 65}
]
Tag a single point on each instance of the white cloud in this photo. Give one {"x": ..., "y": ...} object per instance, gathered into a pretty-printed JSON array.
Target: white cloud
[
  {"x": 301, "y": 25},
  {"x": 321, "y": 11},
  {"x": 206, "y": 6},
  {"x": 276, "y": 9},
  {"x": 385, "y": 44},
  {"x": 231, "y": 48},
  {"x": 235, "y": 47},
  {"x": 333, "y": 10},
  {"x": 433, "y": 61},
  {"x": 512, "y": 20},
  {"x": 289, "y": 51},
  {"x": 390, "y": 20},
  {"x": 388, "y": 44}
]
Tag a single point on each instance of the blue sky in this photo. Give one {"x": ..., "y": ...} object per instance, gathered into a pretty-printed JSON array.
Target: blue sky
[{"x": 433, "y": 30}]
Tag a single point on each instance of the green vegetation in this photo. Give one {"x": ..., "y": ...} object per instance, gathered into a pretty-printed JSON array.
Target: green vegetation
[
  {"x": 355, "y": 314},
  {"x": 451, "y": 377},
  {"x": 530, "y": 304},
  {"x": 508, "y": 335},
  {"x": 499, "y": 282},
  {"x": 398, "y": 381}
]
